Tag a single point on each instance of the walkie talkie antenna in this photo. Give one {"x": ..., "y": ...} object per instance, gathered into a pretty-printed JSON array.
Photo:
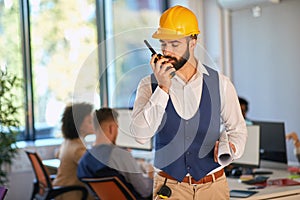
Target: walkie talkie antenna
[
  {"x": 159, "y": 56},
  {"x": 150, "y": 47}
]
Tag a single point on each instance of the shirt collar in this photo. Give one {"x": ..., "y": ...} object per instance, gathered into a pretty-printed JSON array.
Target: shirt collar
[
  {"x": 201, "y": 68},
  {"x": 200, "y": 71}
]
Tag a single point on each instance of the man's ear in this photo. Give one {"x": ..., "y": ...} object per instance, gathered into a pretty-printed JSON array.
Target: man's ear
[
  {"x": 110, "y": 129},
  {"x": 193, "y": 43}
]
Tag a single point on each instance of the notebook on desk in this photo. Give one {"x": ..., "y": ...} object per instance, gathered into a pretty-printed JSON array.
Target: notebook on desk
[
  {"x": 265, "y": 181},
  {"x": 282, "y": 182},
  {"x": 294, "y": 170},
  {"x": 241, "y": 193}
]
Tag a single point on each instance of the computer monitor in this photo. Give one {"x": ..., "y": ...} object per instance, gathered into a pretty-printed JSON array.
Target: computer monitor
[
  {"x": 272, "y": 141},
  {"x": 125, "y": 138},
  {"x": 250, "y": 158}
]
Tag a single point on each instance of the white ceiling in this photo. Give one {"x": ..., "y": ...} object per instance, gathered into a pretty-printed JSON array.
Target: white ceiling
[{"x": 239, "y": 4}]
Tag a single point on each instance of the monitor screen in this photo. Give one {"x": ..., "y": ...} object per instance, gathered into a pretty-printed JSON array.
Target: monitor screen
[
  {"x": 125, "y": 138},
  {"x": 250, "y": 158},
  {"x": 272, "y": 141}
]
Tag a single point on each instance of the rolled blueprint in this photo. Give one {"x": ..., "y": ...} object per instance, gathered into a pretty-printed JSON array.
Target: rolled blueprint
[{"x": 224, "y": 151}]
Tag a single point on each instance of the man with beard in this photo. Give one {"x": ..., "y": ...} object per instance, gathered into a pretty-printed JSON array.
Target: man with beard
[{"x": 187, "y": 113}]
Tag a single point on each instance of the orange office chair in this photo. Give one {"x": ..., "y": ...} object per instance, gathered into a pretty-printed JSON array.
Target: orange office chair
[
  {"x": 108, "y": 188},
  {"x": 43, "y": 189},
  {"x": 3, "y": 191}
]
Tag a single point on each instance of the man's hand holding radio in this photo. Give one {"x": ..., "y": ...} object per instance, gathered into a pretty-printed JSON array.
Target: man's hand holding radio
[{"x": 162, "y": 70}]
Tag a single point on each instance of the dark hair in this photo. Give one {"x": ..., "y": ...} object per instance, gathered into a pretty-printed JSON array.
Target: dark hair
[
  {"x": 243, "y": 102},
  {"x": 194, "y": 36},
  {"x": 73, "y": 117},
  {"x": 104, "y": 114}
]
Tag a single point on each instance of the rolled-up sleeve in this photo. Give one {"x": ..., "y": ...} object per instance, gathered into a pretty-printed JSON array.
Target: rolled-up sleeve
[{"x": 231, "y": 116}]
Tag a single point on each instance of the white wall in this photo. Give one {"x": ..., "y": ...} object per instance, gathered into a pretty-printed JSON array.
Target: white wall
[
  {"x": 266, "y": 62},
  {"x": 265, "y": 58},
  {"x": 211, "y": 31}
]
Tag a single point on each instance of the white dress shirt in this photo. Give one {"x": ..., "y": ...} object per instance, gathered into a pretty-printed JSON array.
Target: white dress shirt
[{"x": 149, "y": 107}]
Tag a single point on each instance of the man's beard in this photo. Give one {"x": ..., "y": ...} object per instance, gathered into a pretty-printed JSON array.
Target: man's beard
[{"x": 177, "y": 64}]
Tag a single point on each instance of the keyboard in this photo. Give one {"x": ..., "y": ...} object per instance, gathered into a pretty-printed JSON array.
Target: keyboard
[{"x": 259, "y": 172}]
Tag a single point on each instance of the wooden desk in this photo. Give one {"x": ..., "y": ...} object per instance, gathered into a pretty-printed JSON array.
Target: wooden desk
[{"x": 269, "y": 192}]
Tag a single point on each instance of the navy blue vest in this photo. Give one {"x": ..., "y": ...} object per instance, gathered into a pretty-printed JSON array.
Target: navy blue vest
[{"x": 187, "y": 146}]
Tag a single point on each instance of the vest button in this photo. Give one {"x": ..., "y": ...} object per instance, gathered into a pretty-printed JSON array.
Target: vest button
[
  {"x": 188, "y": 167},
  {"x": 188, "y": 153},
  {"x": 187, "y": 122}
]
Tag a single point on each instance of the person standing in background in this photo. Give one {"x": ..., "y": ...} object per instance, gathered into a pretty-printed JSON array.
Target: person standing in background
[
  {"x": 245, "y": 108},
  {"x": 76, "y": 124},
  {"x": 187, "y": 106}
]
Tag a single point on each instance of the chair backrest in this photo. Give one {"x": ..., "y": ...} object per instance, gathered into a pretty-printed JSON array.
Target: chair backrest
[
  {"x": 40, "y": 171},
  {"x": 109, "y": 188},
  {"x": 3, "y": 191}
]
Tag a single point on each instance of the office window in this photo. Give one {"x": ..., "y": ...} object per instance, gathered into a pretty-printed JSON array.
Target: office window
[
  {"x": 63, "y": 35},
  {"x": 59, "y": 54},
  {"x": 10, "y": 45},
  {"x": 127, "y": 26}
]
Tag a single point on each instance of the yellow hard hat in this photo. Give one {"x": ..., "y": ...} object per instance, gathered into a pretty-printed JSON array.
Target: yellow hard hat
[{"x": 175, "y": 23}]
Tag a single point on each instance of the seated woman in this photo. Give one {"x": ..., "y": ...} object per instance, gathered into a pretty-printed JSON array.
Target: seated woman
[{"x": 76, "y": 124}]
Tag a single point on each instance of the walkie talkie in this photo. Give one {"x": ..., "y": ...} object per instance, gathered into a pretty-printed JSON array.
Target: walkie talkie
[
  {"x": 159, "y": 56},
  {"x": 164, "y": 192}
]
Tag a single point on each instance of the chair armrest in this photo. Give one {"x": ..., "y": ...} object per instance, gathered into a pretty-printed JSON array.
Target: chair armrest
[{"x": 58, "y": 190}]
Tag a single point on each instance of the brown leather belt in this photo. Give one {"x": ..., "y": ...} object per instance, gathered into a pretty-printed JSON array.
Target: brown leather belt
[{"x": 191, "y": 180}]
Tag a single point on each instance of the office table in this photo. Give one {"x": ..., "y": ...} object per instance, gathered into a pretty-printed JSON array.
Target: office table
[{"x": 269, "y": 192}]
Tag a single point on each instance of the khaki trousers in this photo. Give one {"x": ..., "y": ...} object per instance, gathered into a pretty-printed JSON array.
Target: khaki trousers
[{"x": 217, "y": 190}]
